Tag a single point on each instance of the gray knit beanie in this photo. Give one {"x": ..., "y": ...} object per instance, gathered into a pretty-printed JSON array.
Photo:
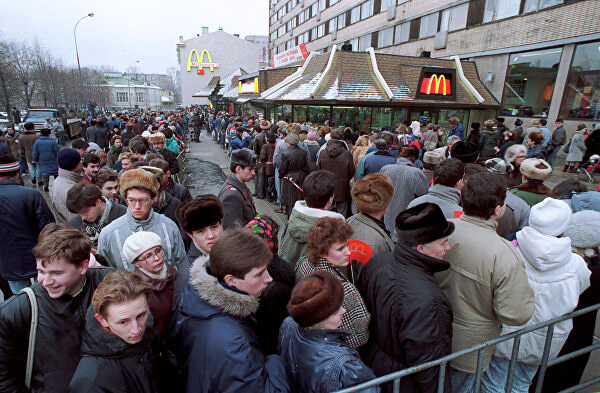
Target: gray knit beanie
[{"x": 584, "y": 229}]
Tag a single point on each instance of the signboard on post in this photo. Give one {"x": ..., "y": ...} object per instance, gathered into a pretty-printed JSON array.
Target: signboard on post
[
  {"x": 289, "y": 56},
  {"x": 437, "y": 83}
]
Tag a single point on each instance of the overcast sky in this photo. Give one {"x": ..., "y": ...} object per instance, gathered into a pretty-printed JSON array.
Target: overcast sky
[{"x": 123, "y": 31}]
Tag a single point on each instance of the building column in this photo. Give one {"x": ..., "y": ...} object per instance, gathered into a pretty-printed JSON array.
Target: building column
[{"x": 560, "y": 82}]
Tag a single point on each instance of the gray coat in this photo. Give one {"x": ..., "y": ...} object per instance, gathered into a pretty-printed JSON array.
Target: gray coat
[
  {"x": 576, "y": 147},
  {"x": 238, "y": 205},
  {"x": 520, "y": 208},
  {"x": 368, "y": 231},
  {"x": 447, "y": 198},
  {"x": 409, "y": 183},
  {"x": 63, "y": 183}
]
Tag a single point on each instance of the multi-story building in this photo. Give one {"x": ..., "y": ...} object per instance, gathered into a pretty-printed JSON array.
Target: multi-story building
[
  {"x": 539, "y": 58},
  {"x": 116, "y": 91}
]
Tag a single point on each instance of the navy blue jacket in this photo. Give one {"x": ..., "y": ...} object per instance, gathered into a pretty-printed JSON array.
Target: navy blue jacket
[
  {"x": 23, "y": 214},
  {"x": 45, "y": 151},
  {"x": 215, "y": 343},
  {"x": 374, "y": 163},
  {"x": 236, "y": 143},
  {"x": 321, "y": 360},
  {"x": 458, "y": 130}
]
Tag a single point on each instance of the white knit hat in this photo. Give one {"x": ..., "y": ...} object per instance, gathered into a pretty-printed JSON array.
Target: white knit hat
[
  {"x": 584, "y": 229},
  {"x": 146, "y": 134},
  {"x": 138, "y": 243},
  {"x": 550, "y": 217}
]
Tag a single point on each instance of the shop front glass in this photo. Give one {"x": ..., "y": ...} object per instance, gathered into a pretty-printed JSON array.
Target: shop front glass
[
  {"x": 445, "y": 114},
  {"x": 400, "y": 116},
  {"x": 582, "y": 92},
  {"x": 318, "y": 114},
  {"x": 530, "y": 82},
  {"x": 357, "y": 118},
  {"x": 300, "y": 112},
  {"x": 383, "y": 117}
]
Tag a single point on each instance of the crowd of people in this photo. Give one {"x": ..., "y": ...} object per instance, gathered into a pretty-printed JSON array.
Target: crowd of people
[{"x": 401, "y": 247}]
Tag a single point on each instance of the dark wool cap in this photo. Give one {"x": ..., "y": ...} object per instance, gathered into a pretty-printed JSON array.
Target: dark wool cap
[
  {"x": 68, "y": 159},
  {"x": 467, "y": 152},
  {"x": 200, "y": 212},
  {"x": 315, "y": 298},
  {"x": 422, "y": 224}
]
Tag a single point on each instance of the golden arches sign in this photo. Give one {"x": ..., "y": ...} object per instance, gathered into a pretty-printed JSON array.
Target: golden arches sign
[{"x": 200, "y": 61}]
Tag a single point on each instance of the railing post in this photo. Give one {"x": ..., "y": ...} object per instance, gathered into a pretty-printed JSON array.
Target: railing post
[
  {"x": 544, "y": 364},
  {"x": 513, "y": 363},
  {"x": 441, "y": 378},
  {"x": 397, "y": 385},
  {"x": 477, "y": 386}
]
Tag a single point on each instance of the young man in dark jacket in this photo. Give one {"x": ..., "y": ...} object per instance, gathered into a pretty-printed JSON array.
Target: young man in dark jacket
[
  {"x": 238, "y": 205},
  {"x": 23, "y": 214},
  {"x": 215, "y": 342},
  {"x": 63, "y": 294},
  {"x": 176, "y": 190},
  {"x": 412, "y": 324}
]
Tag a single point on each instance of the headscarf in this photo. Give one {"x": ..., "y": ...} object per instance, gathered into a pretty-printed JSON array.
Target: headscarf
[{"x": 267, "y": 229}]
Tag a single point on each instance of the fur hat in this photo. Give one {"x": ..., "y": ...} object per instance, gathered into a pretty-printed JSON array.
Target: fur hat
[
  {"x": 281, "y": 124},
  {"x": 243, "y": 157},
  {"x": 315, "y": 298},
  {"x": 159, "y": 137},
  {"x": 513, "y": 152},
  {"x": 138, "y": 243},
  {"x": 434, "y": 156},
  {"x": 294, "y": 127},
  {"x": 265, "y": 125},
  {"x": 137, "y": 178},
  {"x": 68, "y": 159},
  {"x": 200, "y": 212},
  {"x": 422, "y": 224},
  {"x": 584, "y": 229},
  {"x": 550, "y": 217},
  {"x": 292, "y": 139},
  {"x": 373, "y": 193},
  {"x": 467, "y": 152},
  {"x": 536, "y": 169}
]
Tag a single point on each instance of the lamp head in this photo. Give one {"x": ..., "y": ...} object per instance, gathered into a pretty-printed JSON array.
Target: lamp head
[{"x": 91, "y": 14}]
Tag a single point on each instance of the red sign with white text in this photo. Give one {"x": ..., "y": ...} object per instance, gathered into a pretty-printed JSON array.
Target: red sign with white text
[{"x": 289, "y": 56}]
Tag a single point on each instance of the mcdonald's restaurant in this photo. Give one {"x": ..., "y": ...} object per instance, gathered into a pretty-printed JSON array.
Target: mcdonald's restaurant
[{"x": 367, "y": 90}]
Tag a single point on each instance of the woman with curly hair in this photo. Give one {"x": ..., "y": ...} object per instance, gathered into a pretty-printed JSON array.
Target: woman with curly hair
[{"x": 327, "y": 250}]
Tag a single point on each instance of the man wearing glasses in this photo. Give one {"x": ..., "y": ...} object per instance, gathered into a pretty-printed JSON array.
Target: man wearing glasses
[{"x": 139, "y": 188}]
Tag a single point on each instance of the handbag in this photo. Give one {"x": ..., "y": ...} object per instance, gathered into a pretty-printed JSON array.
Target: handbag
[{"x": 32, "y": 333}]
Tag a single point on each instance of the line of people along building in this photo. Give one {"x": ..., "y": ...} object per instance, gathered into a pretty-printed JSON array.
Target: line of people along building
[{"x": 142, "y": 288}]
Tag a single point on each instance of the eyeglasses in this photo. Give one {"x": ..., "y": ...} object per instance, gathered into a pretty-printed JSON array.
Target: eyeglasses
[
  {"x": 133, "y": 201},
  {"x": 149, "y": 258}
]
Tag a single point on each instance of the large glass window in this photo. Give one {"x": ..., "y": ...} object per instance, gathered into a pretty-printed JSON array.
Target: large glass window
[
  {"x": 121, "y": 96},
  {"x": 582, "y": 92},
  {"x": 428, "y": 25},
  {"x": 355, "y": 14},
  {"x": 357, "y": 118},
  {"x": 382, "y": 117},
  {"x": 534, "y": 5},
  {"x": 445, "y": 114},
  {"x": 314, "y": 8},
  {"x": 322, "y": 5},
  {"x": 385, "y": 37},
  {"x": 454, "y": 18},
  {"x": 530, "y": 82},
  {"x": 318, "y": 114},
  {"x": 366, "y": 9},
  {"x": 402, "y": 32},
  {"x": 341, "y": 21},
  {"x": 300, "y": 112},
  {"x": 385, "y": 4},
  {"x": 500, "y": 9},
  {"x": 331, "y": 27}
]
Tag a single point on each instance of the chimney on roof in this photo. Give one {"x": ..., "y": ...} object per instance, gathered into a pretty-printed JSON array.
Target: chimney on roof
[
  {"x": 347, "y": 47},
  {"x": 426, "y": 54},
  {"x": 180, "y": 38},
  {"x": 236, "y": 35},
  {"x": 220, "y": 28},
  {"x": 204, "y": 30}
]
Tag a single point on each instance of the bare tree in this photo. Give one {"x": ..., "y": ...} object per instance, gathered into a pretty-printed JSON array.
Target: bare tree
[
  {"x": 8, "y": 80},
  {"x": 21, "y": 61}
]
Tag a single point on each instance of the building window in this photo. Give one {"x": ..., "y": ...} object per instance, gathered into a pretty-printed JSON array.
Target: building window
[
  {"x": 364, "y": 42},
  {"x": 332, "y": 2},
  {"x": 428, "y": 25},
  {"x": 314, "y": 9},
  {"x": 281, "y": 12},
  {"x": 366, "y": 9},
  {"x": 291, "y": 24},
  {"x": 304, "y": 16},
  {"x": 500, "y": 9},
  {"x": 302, "y": 38},
  {"x": 289, "y": 44},
  {"x": 274, "y": 35},
  {"x": 535, "y": 5},
  {"x": 402, "y": 31},
  {"x": 454, "y": 18},
  {"x": 341, "y": 21},
  {"x": 322, "y": 5},
  {"x": 355, "y": 14},
  {"x": 321, "y": 30},
  {"x": 582, "y": 91},
  {"x": 331, "y": 28},
  {"x": 139, "y": 96},
  {"x": 273, "y": 19},
  {"x": 530, "y": 82},
  {"x": 386, "y": 37},
  {"x": 121, "y": 96},
  {"x": 354, "y": 43},
  {"x": 385, "y": 4},
  {"x": 281, "y": 31},
  {"x": 401, "y": 1},
  {"x": 292, "y": 4}
]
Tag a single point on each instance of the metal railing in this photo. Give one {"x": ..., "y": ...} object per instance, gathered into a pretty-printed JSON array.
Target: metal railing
[
  {"x": 183, "y": 177},
  {"x": 479, "y": 348}
]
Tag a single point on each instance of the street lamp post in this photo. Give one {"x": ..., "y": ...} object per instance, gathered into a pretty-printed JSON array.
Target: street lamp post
[
  {"x": 129, "y": 84},
  {"x": 91, "y": 14}
]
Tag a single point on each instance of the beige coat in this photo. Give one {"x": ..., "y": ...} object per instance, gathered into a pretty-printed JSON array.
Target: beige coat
[{"x": 487, "y": 286}]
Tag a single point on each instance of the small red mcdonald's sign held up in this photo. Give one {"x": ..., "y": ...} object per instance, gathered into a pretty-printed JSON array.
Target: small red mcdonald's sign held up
[{"x": 359, "y": 251}]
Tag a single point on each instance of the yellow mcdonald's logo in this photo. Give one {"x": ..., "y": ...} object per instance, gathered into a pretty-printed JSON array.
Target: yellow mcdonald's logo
[
  {"x": 438, "y": 80},
  {"x": 200, "y": 60}
]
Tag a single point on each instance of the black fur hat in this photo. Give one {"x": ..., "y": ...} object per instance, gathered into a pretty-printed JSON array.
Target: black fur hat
[
  {"x": 200, "y": 212},
  {"x": 422, "y": 224}
]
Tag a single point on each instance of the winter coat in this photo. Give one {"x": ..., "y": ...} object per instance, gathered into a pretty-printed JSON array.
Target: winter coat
[
  {"x": 45, "y": 151},
  {"x": 112, "y": 211},
  {"x": 592, "y": 144},
  {"x": 429, "y": 140},
  {"x": 216, "y": 344},
  {"x": 113, "y": 156},
  {"x": 487, "y": 287},
  {"x": 236, "y": 143},
  {"x": 372, "y": 232},
  {"x": 409, "y": 183},
  {"x": 576, "y": 147},
  {"x": 559, "y": 137},
  {"x": 320, "y": 360},
  {"x": 557, "y": 277},
  {"x": 378, "y": 160},
  {"x": 488, "y": 140},
  {"x": 57, "y": 348},
  {"x": 293, "y": 165},
  {"x": 23, "y": 214},
  {"x": 109, "y": 364},
  {"x": 172, "y": 145},
  {"x": 99, "y": 136},
  {"x": 447, "y": 198},
  {"x": 62, "y": 184},
  {"x": 27, "y": 140},
  {"x": 171, "y": 158},
  {"x": 266, "y": 158},
  {"x": 547, "y": 136},
  {"x": 112, "y": 237},
  {"x": 313, "y": 148},
  {"x": 160, "y": 301},
  {"x": 532, "y": 192},
  {"x": 168, "y": 207},
  {"x": 293, "y": 243},
  {"x": 337, "y": 159},
  {"x": 536, "y": 151},
  {"x": 360, "y": 168},
  {"x": 182, "y": 276},
  {"x": 520, "y": 209},
  {"x": 412, "y": 323},
  {"x": 356, "y": 318},
  {"x": 13, "y": 143},
  {"x": 259, "y": 141},
  {"x": 458, "y": 130},
  {"x": 178, "y": 191},
  {"x": 238, "y": 205}
]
